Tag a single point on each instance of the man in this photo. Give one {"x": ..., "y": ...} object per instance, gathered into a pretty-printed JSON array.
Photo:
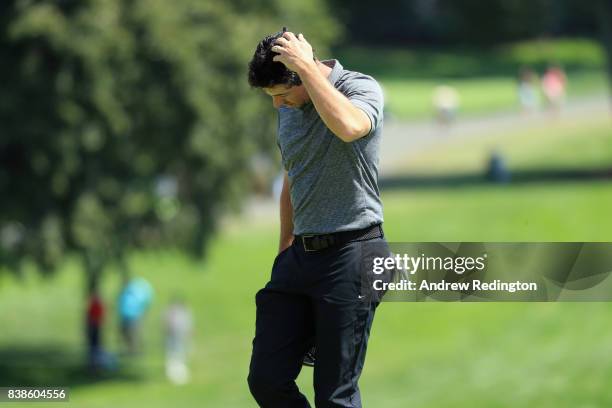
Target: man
[
  {"x": 178, "y": 325},
  {"x": 329, "y": 130},
  {"x": 94, "y": 320}
]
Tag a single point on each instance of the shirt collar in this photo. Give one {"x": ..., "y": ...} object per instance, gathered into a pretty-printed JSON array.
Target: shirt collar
[{"x": 336, "y": 71}]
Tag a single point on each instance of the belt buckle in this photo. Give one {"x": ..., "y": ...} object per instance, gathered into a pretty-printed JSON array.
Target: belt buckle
[{"x": 304, "y": 242}]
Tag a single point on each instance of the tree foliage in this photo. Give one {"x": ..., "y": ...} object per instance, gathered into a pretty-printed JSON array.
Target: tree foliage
[
  {"x": 474, "y": 23},
  {"x": 463, "y": 22},
  {"x": 129, "y": 123}
]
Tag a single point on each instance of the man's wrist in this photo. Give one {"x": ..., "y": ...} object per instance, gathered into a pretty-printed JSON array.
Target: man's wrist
[
  {"x": 284, "y": 244},
  {"x": 307, "y": 70}
]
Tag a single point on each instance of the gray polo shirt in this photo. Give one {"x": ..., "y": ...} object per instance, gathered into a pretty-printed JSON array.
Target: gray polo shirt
[{"x": 333, "y": 184}]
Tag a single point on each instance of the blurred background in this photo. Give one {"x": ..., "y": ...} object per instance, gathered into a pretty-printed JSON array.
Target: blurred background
[{"x": 138, "y": 170}]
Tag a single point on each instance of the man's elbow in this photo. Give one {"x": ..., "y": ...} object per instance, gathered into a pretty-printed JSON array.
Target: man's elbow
[{"x": 351, "y": 132}]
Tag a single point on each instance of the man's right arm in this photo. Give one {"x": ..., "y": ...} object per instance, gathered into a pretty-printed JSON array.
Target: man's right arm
[{"x": 286, "y": 217}]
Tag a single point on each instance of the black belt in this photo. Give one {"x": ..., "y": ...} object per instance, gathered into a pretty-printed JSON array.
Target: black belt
[{"x": 319, "y": 242}]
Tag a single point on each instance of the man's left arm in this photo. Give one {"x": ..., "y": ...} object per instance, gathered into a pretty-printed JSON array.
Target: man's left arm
[{"x": 342, "y": 117}]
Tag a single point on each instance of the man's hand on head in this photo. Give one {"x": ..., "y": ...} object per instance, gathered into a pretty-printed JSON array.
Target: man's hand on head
[{"x": 294, "y": 52}]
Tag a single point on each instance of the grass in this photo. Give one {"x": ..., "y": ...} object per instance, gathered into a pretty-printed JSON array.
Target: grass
[
  {"x": 411, "y": 99},
  {"x": 422, "y": 355},
  {"x": 485, "y": 79},
  {"x": 520, "y": 213},
  {"x": 558, "y": 144}
]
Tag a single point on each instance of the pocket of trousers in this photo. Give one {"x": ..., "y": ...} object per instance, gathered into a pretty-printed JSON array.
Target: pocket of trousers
[
  {"x": 281, "y": 276},
  {"x": 280, "y": 255}
]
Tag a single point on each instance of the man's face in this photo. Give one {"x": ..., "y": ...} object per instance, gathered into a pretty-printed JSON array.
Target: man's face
[{"x": 290, "y": 96}]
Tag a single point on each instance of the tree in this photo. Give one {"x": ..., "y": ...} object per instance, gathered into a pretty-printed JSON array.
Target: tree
[
  {"x": 462, "y": 22},
  {"x": 604, "y": 15},
  {"x": 126, "y": 124}
]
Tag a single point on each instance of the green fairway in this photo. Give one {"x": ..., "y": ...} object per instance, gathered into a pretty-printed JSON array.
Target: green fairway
[
  {"x": 558, "y": 143},
  {"x": 412, "y": 98},
  {"x": 484, "y": 78},
  {"x": 422, "y": 355},
  {"x": 557, "y": 212}
]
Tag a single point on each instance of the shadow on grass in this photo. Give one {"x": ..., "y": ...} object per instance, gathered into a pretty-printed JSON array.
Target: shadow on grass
[
  {"x": 474, "y": 179},
  {"x": 54, "y": 365}
]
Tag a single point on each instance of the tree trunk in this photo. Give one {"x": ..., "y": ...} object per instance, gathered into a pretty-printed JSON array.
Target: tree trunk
[
  {"x": 93, "y": 264},
  {"x": 604, "y": 11}
]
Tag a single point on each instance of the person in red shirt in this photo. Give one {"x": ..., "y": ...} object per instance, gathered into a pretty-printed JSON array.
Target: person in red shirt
[
  {"x": 95, "y": 317},
  {"x": 554, "y": 83}
]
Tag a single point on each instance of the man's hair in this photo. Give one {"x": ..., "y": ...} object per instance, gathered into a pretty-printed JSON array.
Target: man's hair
[{"x": 264, "y": 72}]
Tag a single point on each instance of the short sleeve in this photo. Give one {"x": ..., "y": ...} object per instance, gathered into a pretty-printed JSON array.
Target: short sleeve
[{"x": 364, "y": 92}]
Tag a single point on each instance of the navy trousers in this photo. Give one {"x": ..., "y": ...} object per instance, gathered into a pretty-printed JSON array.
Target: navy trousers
[{"x": 313, "y": 298}]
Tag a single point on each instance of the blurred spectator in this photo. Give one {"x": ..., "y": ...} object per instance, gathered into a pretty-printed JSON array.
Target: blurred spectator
[
  {"x": 178, "y": 324},
  {"x": 554, "y": 83},
  {"x": 497, "y": 169},
  {"x": 446, "y": 103},
  {"x": 134, "y": 300},
  {"x": 528, "y": 92},
  {"x": 94, "y": 318}
]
